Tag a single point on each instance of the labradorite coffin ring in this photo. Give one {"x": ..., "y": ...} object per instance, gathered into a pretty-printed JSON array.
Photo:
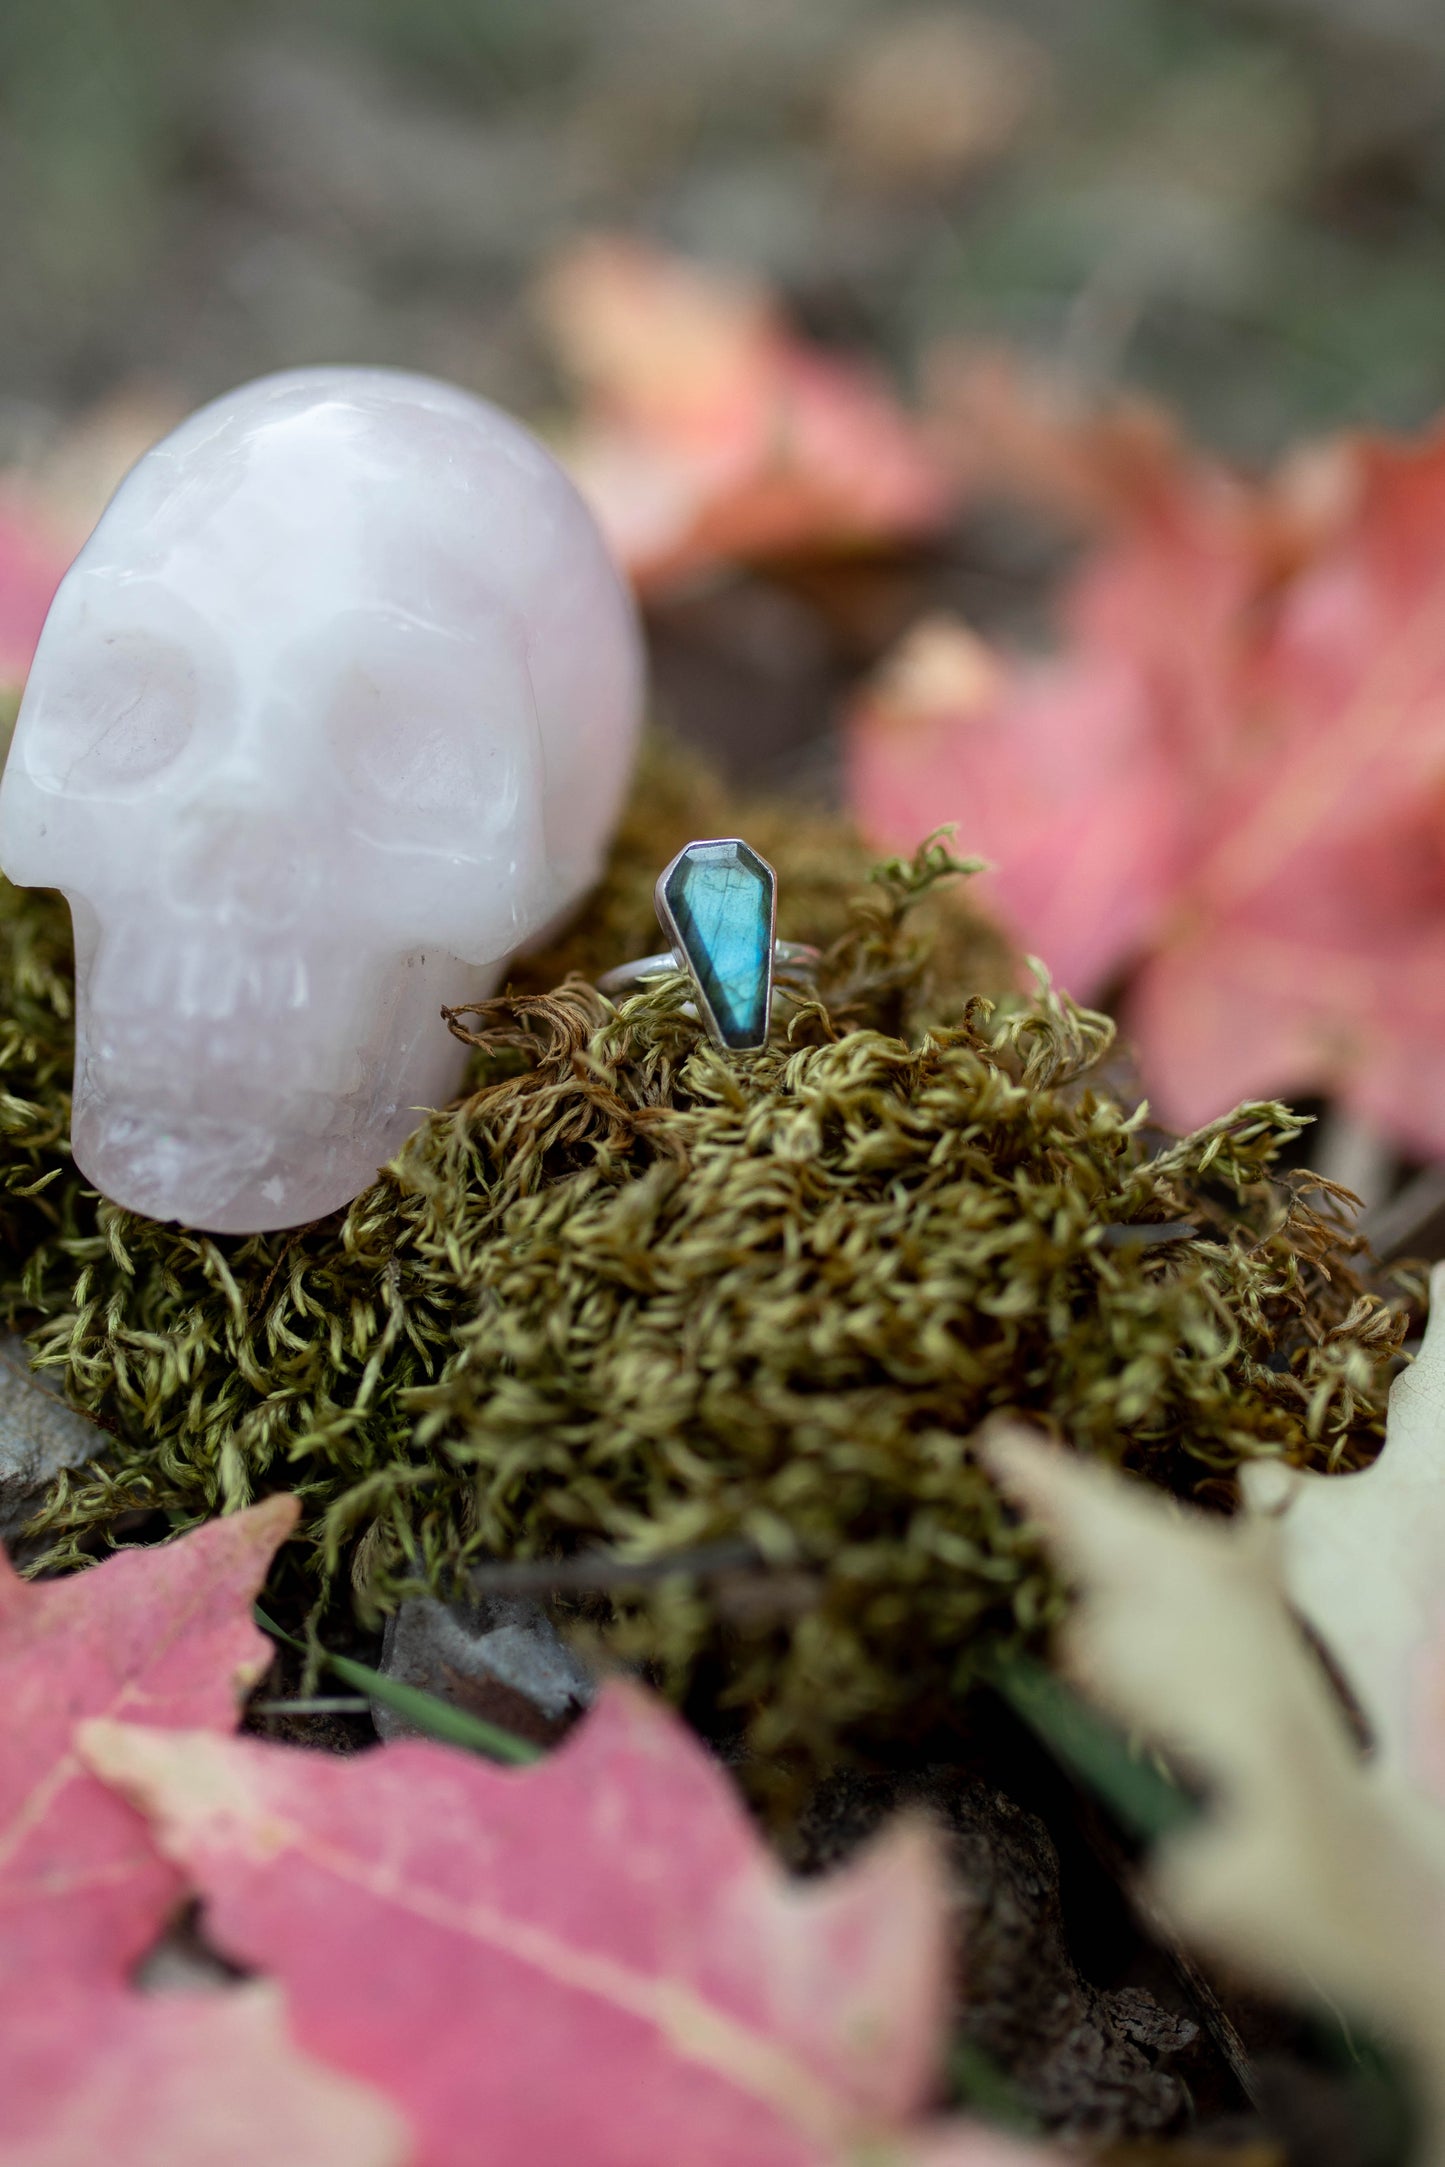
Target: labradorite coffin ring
[{"x": 717, "y": 903}]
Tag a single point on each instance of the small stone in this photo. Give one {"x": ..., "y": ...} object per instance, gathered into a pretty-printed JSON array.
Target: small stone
[
  {"x": 720, "y": 896},
  {"x": 39, "y": 1436},
  {"x": 501, "y": 1658}
]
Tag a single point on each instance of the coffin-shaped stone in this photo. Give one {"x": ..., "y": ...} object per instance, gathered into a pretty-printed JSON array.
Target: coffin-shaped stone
[{"x": 719, "y": 907}]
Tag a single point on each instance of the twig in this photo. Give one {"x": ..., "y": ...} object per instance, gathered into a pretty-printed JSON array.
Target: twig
[
  {"x": 335, "y": 1704},
  {"x": 597, "y": 1570}
]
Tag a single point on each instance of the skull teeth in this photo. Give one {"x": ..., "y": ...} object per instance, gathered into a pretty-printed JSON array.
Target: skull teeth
[{"x": 195, "y": 979}]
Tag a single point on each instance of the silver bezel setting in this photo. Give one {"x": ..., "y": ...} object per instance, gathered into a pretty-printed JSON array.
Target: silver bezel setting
[{"x": 670, "y": 927}]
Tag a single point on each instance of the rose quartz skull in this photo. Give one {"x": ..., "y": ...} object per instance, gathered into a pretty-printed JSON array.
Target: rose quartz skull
[{"x": 333, "y": 712}]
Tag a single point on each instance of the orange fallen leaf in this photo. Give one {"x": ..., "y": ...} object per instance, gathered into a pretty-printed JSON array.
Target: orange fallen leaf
[{"x": 711, "y": 432}]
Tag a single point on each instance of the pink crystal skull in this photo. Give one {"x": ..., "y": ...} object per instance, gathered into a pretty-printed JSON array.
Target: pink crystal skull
[{"x": 334, "y": 711}]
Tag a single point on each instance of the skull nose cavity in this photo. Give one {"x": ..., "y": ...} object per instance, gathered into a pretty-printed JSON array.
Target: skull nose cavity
[{"x": 243, "y": 866}]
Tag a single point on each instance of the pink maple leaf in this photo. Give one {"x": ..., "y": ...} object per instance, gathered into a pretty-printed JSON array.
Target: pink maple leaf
[
  {"x": 1227, "y": 792},
  {"x": 89, "y": 2067},
  {"x": 162, "y": 1633},
  {"x": 33, "y": 561},
  {"x": 182, "y": 2079},
  {"x": 593, "y": 1963},
  {"x": 711, "y": 432}
]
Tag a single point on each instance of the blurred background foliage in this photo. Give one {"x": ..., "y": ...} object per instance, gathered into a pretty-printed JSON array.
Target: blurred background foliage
[{"x": 1235, "y": 203}]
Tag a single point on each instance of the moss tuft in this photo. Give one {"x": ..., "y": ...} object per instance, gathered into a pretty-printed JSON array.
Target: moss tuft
[{"x": 635, "y": 1295}]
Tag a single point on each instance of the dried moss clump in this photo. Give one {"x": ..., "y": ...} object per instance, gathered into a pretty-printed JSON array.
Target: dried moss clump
[{"x": 636, "y": 1296}]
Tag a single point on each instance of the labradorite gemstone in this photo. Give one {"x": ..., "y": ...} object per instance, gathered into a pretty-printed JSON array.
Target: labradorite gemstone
[{"x": 721, "y": 899}]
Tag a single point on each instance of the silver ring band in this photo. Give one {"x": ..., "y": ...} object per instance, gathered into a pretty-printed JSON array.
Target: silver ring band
[{"x": 791, "y": 960}]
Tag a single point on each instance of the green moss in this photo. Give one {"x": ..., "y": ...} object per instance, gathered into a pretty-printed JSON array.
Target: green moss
[{"x": 638, "y": 1296}]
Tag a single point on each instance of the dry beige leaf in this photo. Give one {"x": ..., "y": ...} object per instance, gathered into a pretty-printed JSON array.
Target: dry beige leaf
[
  {"x": 1363, "y": 1555},
  {"x": 1315, "y": 1870}
]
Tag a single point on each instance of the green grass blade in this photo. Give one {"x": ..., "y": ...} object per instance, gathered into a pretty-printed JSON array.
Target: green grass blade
[
  {"x": 437, "y": 1718},
  {"x": 1136, "y": 1790}
]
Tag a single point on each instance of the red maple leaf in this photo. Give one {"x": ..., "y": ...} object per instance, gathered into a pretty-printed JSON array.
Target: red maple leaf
[
  {"x": 184, "y": 2079},
  {"x": 1227, "y": 793},
  {"x": 89, "y": 2067},
  {"x": 593, "y": 1963},
  {"x": 163, "y": 1633}
]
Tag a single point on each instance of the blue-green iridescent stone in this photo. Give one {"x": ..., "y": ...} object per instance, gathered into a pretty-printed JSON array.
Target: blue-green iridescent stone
[{"x": 721, "y": 899}]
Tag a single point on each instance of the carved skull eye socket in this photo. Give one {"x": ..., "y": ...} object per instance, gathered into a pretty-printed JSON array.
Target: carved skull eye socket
[
  {"x": 439, "y": 751},
  {"x": 120, "y": 709}
]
